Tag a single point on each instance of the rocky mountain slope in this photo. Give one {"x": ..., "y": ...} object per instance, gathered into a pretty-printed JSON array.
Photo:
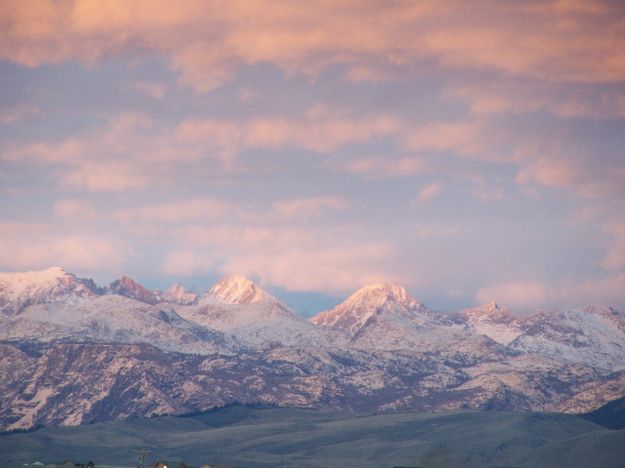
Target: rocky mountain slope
[
  {"x": 128, "y": 287},
  {"x": 72, "y": 353}
]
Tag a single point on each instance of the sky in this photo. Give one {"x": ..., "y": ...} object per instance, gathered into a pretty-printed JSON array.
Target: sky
[{"x": 470, "y": 151}]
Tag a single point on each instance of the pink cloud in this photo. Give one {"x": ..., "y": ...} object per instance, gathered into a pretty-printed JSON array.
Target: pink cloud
[
  {"x": 530, "y": 296},
  {"x": 606, "y": 291},
  {"x": 425, "y": 231},
  {"x": 486, "y": 192},
  {"x": 321, "y": 129},
  {"x": 15, "y": 114},
  {"x": 308, "y": 207},
  {"x": 466, "y": 138},
  {"x": 429, "y": 192},
  {"x": 372, "y": 168},
  {"x": 312, "y": 259},
  {"x": 187, "y": 262},
  {"x": 614, "y": 259},
  {"x": 150, "y": 89},
  {"x": 203, "y": 209},
  {"x": 553, "y": 41},
  {"x": 73, "y": 209},
  {"x": 48, "y": 153},
  {"x": 586, "y": 175},
  {"x": 500, "y": 95},
  {"x": 105, "y": 176},
  {"x": 36, "y": 246},
  {"x": 127, "y": 153},
  {"x": 332, "y": 269},
  {"x": 523, "y": 295}
]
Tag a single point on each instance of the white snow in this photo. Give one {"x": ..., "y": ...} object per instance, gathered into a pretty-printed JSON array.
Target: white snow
[
  {"x": 113, "y": 318},
  {"x": 53, "y": 284},
  {"x": 495, "y": 322},
  {"x": 237, "y": 290},
  {"x": 352, "y": 314},
  {"x": 177, "y": 294}
]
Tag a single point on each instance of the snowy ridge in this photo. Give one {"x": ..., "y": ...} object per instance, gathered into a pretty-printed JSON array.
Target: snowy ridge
[
  {"x": 242, "y": 310},
  {"x": 113, "y": 319},
  {"x": 379, "y": 349},
  {"x": 19, "y": 290},
  {"x": 263, "y": 323},
  {"x": 493, "y": 321},
  {"x": 386, "y": 317},
  {"x": 592, "y": 336},
  {"x": 378, "y": 316},
  {"x": 177, "y": 294}
]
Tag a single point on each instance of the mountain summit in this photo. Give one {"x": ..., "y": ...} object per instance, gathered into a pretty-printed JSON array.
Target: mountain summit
[
  {"x": 127, "y": 287},
  {"x": 177, "y": 294},
  {"x": 237, "y": 290},
  {"x": 19, "y": 290},
  {"x": 369, "y": 301}
]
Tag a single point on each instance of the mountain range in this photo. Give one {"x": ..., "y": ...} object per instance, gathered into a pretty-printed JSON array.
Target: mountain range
[{"x": 72, "y": 352}]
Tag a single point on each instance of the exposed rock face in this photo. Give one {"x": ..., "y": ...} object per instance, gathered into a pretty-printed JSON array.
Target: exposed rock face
[
  {"x": 67, "y": 383},
  {"x": 70, "y": 354},
  {"x": 128, "y": 287}
]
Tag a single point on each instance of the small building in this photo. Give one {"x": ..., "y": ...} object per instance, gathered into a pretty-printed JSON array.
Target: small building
[{"x": 171, "y": 463}]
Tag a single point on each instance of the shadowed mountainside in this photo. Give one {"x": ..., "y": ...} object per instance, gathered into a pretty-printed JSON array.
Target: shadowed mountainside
[{"x": 610, "y": 415}]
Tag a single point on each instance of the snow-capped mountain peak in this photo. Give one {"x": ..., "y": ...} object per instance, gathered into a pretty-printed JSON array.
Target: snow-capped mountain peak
[
  {"x": 127, "y": 287},
  {"x": 368, "y": 301},
  {"x": 490, "y": 310},
  {"x": 21, "y": 289},
  {"x": 375, "y": 295},
  {"x": 490, "y": 306},
  {"x": 177, "y": 294},
  {"x": 237, "y": 290}
]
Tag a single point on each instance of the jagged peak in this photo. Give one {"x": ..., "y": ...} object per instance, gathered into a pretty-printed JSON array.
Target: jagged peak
[
  {"x": 237, "y": 289},
  {"x": 178, "y": 294},
  {"x": 239, "y": 281},
  {"x": 128, "y": 287},
  {"x": 378, "y": 294},
  {"x": 485, "y": 310},
  {"x": 126, "y": 280},
  {"x": 366, "y": 302},
  {"x": 175, "y": 288},
  {"x": 601, "y": 309}
]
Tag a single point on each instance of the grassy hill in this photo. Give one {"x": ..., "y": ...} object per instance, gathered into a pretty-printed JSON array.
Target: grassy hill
[
  {"x": 254, "y": 436},
  {"x": 611, "y": 415}
]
